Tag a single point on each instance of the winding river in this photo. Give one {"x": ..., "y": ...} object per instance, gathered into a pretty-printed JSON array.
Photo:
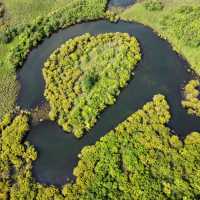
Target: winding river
[{"x": 160, "y": 71}]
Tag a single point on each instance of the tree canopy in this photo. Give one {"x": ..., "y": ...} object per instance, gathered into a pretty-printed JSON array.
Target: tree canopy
[{"x": 85, "y": 75}]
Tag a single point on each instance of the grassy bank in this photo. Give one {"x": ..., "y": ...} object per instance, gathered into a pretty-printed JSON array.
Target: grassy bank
[{"x": 170, "y": 24}]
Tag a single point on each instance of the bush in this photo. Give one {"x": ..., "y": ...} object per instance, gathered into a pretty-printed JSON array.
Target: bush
[
  {"x": 184, "y": 24},
  {"x": 153, "y": 5},
  {"x": 191, "y": 101},
  {"x": 2, "y": 10}
]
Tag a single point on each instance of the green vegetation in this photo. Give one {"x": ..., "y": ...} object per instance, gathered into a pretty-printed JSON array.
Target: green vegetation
[
  {"x": 16, "y": 181},
  {"x": 139, "y": 159},
  {"x": 23, "y": 12},
  {"x": 191, "y": 101},
  {"x": 43, "y": 27},
  {"x": 111, "y": 16},
  {"x": 8, "y": 91},
  {"x": 15, "y": 157},
  {"x": 85, "y": 75},
  {"x": 184, "y": 24},
  {"x": 178, "y": 22},
  {"x": 24, "y": 37},
  {"x": 153, "y": 5}
]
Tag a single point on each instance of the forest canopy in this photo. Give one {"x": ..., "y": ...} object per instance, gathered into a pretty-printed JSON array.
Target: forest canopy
[
  {"x": 85, "y": 75},
  {"x": 139, "y": 159}
]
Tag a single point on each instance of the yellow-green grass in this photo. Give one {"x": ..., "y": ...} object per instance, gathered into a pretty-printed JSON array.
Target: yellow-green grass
[
  {"x": 138, "y": 13},
  {"x": 23, "y": 11}
]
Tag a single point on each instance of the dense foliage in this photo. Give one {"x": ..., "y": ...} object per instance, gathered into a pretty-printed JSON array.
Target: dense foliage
[
  {"x": 140, "y": 159},
  {"x": 191, "y": 95},
  {"x": 184, "y": 23},
  {"x": 85, "y": 75},
  {"x": 14, "y": 156},
  {"x": 153, "y": 5}
]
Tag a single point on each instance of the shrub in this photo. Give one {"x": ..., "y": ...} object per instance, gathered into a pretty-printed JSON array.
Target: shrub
[
  {"x": 2, "y": 10},
  {"x": 153, "y": 5}
]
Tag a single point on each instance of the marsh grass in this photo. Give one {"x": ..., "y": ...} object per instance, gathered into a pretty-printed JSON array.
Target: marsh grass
[{"x": 8, "y": 91}]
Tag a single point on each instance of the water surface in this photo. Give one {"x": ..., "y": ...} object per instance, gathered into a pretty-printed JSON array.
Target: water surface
[
  {"x": 121, "y": 3},
  {"x": 160, "y": 71}
]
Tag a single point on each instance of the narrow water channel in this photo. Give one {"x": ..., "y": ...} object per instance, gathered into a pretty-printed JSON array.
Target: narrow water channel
[
  {"x": 160, "y": 71},
  {"x": 121, "y": 3}
]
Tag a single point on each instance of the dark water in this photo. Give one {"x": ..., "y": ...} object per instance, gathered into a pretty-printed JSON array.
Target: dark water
[
  {"x": 121, "y": 3},
  {"x": 160, "y": 71}
]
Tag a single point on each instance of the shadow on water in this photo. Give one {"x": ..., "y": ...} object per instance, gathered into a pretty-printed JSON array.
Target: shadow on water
[{"x": 160, "y": 71}]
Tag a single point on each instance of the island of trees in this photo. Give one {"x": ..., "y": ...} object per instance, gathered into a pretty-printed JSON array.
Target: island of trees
[
  {"x": 18, "y": 39},
  {"x": 85, "y": 75}
]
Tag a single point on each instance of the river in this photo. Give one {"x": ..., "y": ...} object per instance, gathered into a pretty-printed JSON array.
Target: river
[{"x": 160, "y": 71}]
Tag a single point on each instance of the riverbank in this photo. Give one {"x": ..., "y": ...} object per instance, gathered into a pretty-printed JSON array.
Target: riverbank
[{"x": 153, "y": 19}]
